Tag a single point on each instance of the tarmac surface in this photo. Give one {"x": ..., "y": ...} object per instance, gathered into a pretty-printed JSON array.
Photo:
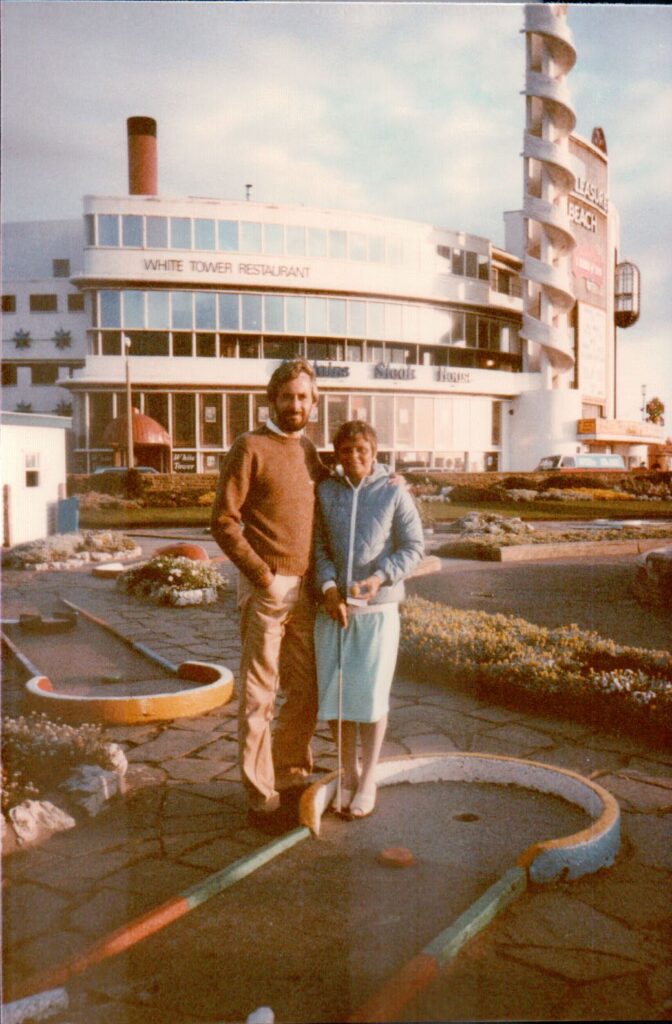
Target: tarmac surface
[{"x": 594, "y": 949}]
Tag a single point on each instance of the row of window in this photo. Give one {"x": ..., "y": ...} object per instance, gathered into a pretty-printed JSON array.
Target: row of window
[
  {"x": 214, "y": 420},
  {"x": 296, "y": 315},
  {"x": 465, "y": 263},
  {"x": 45, "y": 303},
  {"x": 41, "y": 374},
  {"x": 210, "y": 235},
  {"x": 206, "y": 345}
]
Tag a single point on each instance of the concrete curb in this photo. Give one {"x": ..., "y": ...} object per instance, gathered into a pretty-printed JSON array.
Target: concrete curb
[
  {"x": 574, "y": 549},
  {"x": 152, "y": 921},
  {"x": 567, "y": 857}
]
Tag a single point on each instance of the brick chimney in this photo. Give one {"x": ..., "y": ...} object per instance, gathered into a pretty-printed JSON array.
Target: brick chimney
[{"x": 143, "y": 175}]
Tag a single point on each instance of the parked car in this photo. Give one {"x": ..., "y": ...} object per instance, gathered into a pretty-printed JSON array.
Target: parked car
[
  {"x": 583, "y": 460},
  {"x": 120, "y": 470}
]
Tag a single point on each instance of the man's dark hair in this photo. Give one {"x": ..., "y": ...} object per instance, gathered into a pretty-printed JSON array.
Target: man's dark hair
[
  {"x": 353, "y": 429},
  {"x": 287, "y": 371}
]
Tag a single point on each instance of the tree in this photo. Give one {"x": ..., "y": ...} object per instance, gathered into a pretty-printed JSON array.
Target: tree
[{"x": 654, "y": 411}]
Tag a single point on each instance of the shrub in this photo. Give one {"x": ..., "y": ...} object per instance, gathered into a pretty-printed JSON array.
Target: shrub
[
  {"x": 38, "y": 754},
  {"x": 465, "y": 494},
  {"x": 562, "y": 670},
  {"x": 513, "y": 483},
  {"x": 576, "y": 480}
]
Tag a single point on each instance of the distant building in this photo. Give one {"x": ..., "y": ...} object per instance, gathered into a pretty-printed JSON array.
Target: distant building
[{"x": 462, "y": 354}]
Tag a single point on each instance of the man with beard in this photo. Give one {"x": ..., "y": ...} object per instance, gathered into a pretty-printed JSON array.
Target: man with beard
[{"x": 262, "y": 519}]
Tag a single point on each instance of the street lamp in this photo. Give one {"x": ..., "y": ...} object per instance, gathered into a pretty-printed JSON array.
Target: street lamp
[
  {"x": 129, "y": 405},
  {"x": 643, "y": 409}
]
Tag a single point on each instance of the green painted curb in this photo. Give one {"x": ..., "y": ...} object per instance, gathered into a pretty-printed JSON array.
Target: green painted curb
[
  {"x": 221, "y": 880},
  {"x": 495, "y": 899}
]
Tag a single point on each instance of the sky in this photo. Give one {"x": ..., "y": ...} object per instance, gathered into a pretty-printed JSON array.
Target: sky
[{"x": 411, "y": 110}]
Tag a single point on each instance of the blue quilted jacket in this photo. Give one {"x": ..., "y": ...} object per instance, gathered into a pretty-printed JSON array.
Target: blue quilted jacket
[{"x": 371, "y": 529}]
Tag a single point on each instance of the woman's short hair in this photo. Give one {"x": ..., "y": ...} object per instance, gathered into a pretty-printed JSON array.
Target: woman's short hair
[
  {"x": 353, "y": 429},
  {"x": 290, "y": 370}
]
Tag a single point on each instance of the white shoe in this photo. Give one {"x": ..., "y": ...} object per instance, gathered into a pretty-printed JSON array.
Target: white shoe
[{"x": 364, "y": 803}]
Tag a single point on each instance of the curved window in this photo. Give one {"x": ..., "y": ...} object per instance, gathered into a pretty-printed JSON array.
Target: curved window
[
  {"x": 157, "y": 232},
  {"x": 180, "y": 233},
  {"x": 108, "y": 229},
  {"x": 183, "y": 316},
  {"x": 206, "y": 311},
  {"x": 134, "y": 309},
  {"x": 229, "y": 315},
  {"x": 204, "y": 234},
  {"x": 227, "y": 235},
  {"x": 250, "y": 236},
  {"x": 110, "y": 309},
  {"x": 131, "y": 230}
]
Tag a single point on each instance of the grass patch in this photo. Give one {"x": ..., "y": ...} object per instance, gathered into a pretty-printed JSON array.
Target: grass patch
[
  {"x": 534, "y": 511},
  {"x": 566, "y": 671},
  {"x": 139, "y": 518},
  {"x": 435, "y": 512}
]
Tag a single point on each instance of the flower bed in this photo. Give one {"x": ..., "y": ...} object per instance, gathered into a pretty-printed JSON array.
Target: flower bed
[
  {"x": 559, "y": 671},
  {"x": 170, "y": 579},
  {"x": 71, "y": 550}
]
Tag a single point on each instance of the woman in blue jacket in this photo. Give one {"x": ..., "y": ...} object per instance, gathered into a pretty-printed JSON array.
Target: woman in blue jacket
[{"x": 368, "y": 538}]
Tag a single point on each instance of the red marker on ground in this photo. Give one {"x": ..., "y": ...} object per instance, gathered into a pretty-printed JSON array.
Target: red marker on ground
[{"x": 396, "y": 857}]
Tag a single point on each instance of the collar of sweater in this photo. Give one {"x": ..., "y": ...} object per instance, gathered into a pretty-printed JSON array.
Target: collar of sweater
[
  {"x": 378, "y": 472},
  {"x": 279, "y": 435}
]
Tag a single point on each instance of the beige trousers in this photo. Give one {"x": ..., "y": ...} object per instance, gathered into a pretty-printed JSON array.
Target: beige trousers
[{"x": 276, "y": 627}]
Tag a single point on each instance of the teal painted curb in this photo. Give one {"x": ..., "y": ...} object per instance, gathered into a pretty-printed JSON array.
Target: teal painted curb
[
  {"x": 449, "y": 942},
  {"x": 214, "y": 884}
]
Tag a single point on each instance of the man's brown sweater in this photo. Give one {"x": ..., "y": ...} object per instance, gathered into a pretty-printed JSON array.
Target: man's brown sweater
[{"x": 262, "y": 517}]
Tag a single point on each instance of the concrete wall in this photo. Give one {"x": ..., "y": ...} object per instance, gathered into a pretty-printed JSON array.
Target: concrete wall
[
  {"x": 543, "y": 423},
  {"x": 33, "y": 474}
]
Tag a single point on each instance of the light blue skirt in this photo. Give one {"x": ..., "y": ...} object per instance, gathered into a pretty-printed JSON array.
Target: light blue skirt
[{"x": 368, "y": 658}]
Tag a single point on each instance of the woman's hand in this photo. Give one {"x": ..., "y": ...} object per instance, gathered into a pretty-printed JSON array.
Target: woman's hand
[
  {"x": 335, "y": 606},
  {"x": 367, "y": 589}
]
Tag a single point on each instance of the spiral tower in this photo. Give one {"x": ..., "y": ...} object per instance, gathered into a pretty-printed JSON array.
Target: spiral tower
[{"x": 550, "y": 172}]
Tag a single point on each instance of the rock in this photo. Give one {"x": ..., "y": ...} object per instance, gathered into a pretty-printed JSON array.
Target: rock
[
  {"x": 181, "y": 598},
  {"x": 653, "y": 580},
  {"x": 108, "y": 570},
  {"x": 8, "y": 840},
  {"x": 35, "y": 820},
  {"x": 118, "y": 758},
  {"x": 42, "y": 1006},
  {"x": 90, "y": 787}
]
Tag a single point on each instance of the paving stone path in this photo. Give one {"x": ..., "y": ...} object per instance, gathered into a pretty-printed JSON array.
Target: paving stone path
[{"x": 597, "y": 948}]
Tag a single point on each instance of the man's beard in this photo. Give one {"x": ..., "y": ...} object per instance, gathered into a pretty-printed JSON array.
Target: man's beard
[{"x": 289, "y": 423}]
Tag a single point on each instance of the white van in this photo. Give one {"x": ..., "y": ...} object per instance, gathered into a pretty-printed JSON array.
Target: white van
[{"x": 584, "y": 460}]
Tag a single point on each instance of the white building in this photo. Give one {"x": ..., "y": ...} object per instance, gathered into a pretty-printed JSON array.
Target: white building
[
  {"x": 33, "y": 474},
  {"x": 462, "y": 354}
]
